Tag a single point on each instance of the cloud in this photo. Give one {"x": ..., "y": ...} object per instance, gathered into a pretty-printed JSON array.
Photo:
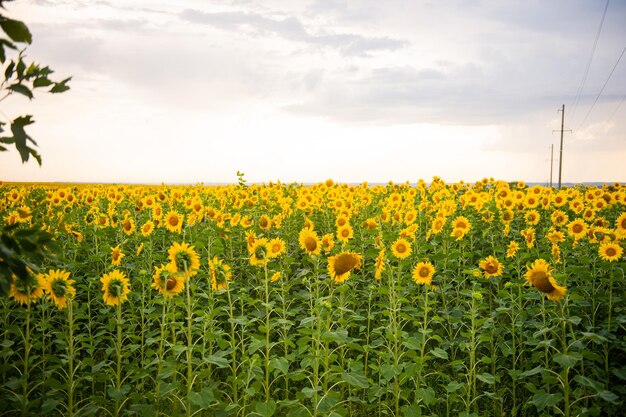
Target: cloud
[{"x": 291, "y": 28}]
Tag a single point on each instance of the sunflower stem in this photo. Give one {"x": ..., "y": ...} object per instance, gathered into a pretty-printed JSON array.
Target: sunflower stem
[
  {"x": 27, "y": 348},
  {"x": 267, "y": 332},
  {"x": 118, "y": 352},
  {"x": 70, "y": 358},
  {"x": 189, "y": 343}
]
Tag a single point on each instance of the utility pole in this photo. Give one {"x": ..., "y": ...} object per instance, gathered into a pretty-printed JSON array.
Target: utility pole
[{"x": 562, "y": 110}]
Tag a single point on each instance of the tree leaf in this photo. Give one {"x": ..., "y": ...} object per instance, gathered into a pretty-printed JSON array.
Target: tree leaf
[
  {"x": 16, "y": 30},
  {"x": 21, "y": 89}
]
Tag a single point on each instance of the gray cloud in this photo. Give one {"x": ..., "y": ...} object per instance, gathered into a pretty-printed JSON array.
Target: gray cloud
[{"x": 291, "y": 28}]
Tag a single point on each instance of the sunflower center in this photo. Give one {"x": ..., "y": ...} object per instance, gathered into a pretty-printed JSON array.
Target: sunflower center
[
  {"x": 401, "y": 248},
  {"x": 623, "y": 224},
  {"x": 127, "y": 225},
  {"x": 541, "y": 282},
  {"x": 424, "y": 272},
  {"x": 310, "y": 244},
  {"x": 276, "y": 248},
  {"x": 577, "y": 228},
  {"x": 610, "y": 252},
  {"x": 115, "y": 255},
  {"x": 173, "y": 221},
  {"x": 345, "y": 233},
  {"x": 491, "y": 267},
  {"x": 263, "y": 222},
  {"x": 170, "y": 284},
  {"x": 344, "y": 263}
]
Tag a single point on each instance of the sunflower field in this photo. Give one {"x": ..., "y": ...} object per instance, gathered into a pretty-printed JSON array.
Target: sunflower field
[{"x": 484, "y": 299}]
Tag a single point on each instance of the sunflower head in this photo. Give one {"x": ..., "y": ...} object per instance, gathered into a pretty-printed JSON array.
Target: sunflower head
[
  {"x": 59, "y": 287},
  {"x": 27, "y": 289},
  {"x": 183, "y": 256},
  {"x": 340, "y": 266},
  {"x": 220, "y": 274},
  {"x": 276, "y": 247},
  {"x": 610, "y": 251},
  {"x": 423, "y": 273},
  {"x": 539, "y": 276},
  {"x": 491, "y": 267},
  {"x": 401, "y": 248},
  {"x": 115, "y": 287},
  {"x": 309, "y": 241},
  {"x": 259, "y": 252},
  {"x": 168, "y": 281}
]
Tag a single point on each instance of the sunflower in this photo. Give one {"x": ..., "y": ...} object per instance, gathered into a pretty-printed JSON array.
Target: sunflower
[
  {"x": 577, "y": 229},
  {"x": 540, "y": 277},
  {"x": 529, "y": 236},
  {"x": 512, "y": 249},
  {"x": 328, "y": 242},
  {"x": 401, "y": 248},
  {"x": 345, "y": 232},
  {"x": 559, "y": 218},
  {"x": 532, "y": 217},
  {"x": 220, "y": 274},
  {"x": 309, "y": 241},
  {"x": 342, "y": 220},
  {"x": 265, "y": 222},
  {"x": 620, "y": 224},
  {"x": 168, "y": 281},
  {"x": 26, "y": 290},
  {"x": 491, "y": 267},
  {"x": 370, "y": 223},
  {"x": 128, "y": 226},
  {"x": 139, "y": 249},
  {"x": 423, "y": 273},
  {"x": 250, "y": 239},
  {"x": 275, "y": 276},
  {"x": 116, "y": 256},
  {"x": 555, "y": 236},
  {"x": 461, "y": 222},
  {"x": 340, "y": 266},
  {"x": 184, "y": 256},
  {"x": 610, "y": 251},
  {"x": 277, "y": 247},
  {"x": 438, "y": 225},
  {"x": 147, "y": 228},
  {"x": 115, "y": 287},
  {"x": 380, "y": 264},
  {"x": 259, "y": 252},
  {"x": 174, "y": 221}
]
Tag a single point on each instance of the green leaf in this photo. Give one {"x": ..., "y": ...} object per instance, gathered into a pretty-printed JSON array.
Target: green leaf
[
  {"x": 609, "y": 396},
  {"x": 282, "y": 364},
  {"x": 202, "y": 399},
  {"x": 487, "y": 378},
  {"x": 412, "y": 410},
  {"x": 440, "y": 353},
  {"x": 61, "y": 86},
  {"x": 454, "y": 386},
  {"x": 21, "y": 89},
  {"x": 355, "y": 379},
  {"x": 16, "y": 30},
  {"x": 427, "y": 395},
  {"x": 412, "y": 343},
  {"x": 588, "y": 382},
  {"x": 567, "y": 360},
  {"x": 217, "y": 360},
  {"x": 41, "y": 82},
  {"x": 536, "y": 370},
  {"x": 542, "y": 399},
  {"x": 265, "y": 409}
]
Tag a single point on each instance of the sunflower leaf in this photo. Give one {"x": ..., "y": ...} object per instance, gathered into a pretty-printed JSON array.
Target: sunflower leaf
[
  {"x": 542, "y": 399},
  {"x": 567, "y": 360}
]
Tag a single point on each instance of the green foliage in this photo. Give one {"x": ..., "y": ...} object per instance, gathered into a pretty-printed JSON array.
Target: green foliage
[{"x": 19, "y": 249}]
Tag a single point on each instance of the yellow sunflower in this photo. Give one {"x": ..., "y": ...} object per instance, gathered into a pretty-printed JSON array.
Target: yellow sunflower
[
  {"x": 328, "y": 242},
  {"x": 174, "y": 221},
  {"x": 59, "y": 287},
  {"x": 401, "y": 248},
  {"x": 345, "y": 232},
  {"x": 577, "y": 229},
  {"x": 610, "y": 251},
  {"x": 620, "y": 224},
  {"x": 380, "y": 264},
  {"x": 265, "y": 223},
  {"x": 423, "y": 273},
  {"x": 168, "y": 281},
  {"x": 220, "y": 274},
  {"x": 147, "y": 228},
  {"x": 309, "y": 241},
  {"x": 540, "y": 277},
  {"x": 116, "y": 256},
  {"x": 512, "y": 249},
  {"x": 529, "y": 236},
  {"x": 532, "y": 217},
  {"x": 259, "y": 252},
  {"x": 128, "y": 226},
  {"x": 277, "y": 247},
  {"x": 184, "y": 255},
  {"x": 491, "y": 267},
  {"x": 340, "y": 266},
  {"x": 28, "y": 290},
  {"x": 115, "y": 288},
  {"x": 462, "y": 222},
  {"x": 555, "y": 236},
  {"x": 275, "y": 276}
]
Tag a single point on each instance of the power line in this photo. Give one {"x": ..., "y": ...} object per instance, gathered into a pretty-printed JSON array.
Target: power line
[
  {"x": 617, "y": 108},
  {"x": 600, "y": 93},
  {"x": 593, "y": 51}
]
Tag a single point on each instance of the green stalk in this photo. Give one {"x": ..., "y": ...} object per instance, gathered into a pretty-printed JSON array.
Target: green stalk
[
  {"x": 118, "y": 351},
  {"x": 70, "y": 358},
  {"x": 233, "y": 342},
  {"x": 267, "y": 333},
  {"x": 189, "y": 344},
  {"x": 27, "y": 348}
]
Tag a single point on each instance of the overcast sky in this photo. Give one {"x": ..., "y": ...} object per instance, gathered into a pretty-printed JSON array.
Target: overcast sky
[{"x": 354, "y": 90}]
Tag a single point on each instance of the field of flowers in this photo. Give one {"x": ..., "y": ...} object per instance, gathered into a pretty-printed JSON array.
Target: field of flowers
[{"x": 485, "y": 299}]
